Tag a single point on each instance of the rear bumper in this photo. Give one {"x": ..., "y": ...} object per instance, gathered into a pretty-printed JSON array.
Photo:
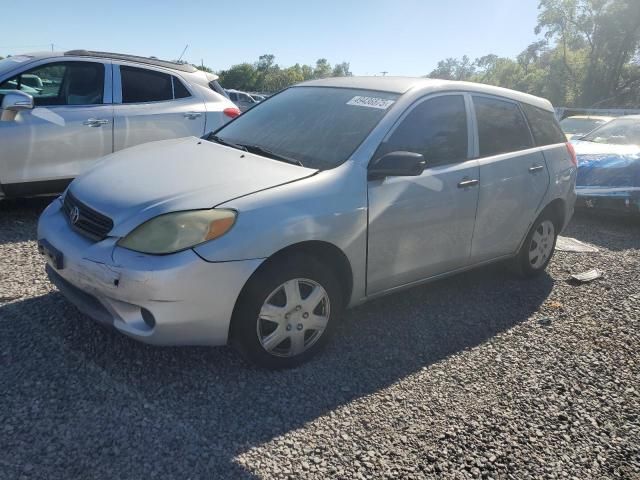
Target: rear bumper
[
  {"x": 620, "y": 200},
  {"x": 177, "y": 299}
]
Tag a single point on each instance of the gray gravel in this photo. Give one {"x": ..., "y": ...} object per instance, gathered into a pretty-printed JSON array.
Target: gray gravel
[{"x": 480, "y": 376}]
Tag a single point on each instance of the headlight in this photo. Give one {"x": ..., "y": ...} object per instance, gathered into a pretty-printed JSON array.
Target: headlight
[{"x": 172, "y": 232}]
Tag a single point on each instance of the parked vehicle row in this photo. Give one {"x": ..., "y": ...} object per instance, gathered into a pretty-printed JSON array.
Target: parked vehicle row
[
  {"x": 244, "y": 100},
  {"x": 609, "y": 167},
  {"x": 329, "y": 194},
  {"x": 63, "y": 111},
  {"x": 579, "y": 125}
]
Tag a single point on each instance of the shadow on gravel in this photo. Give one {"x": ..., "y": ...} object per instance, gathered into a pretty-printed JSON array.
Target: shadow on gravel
[
  {"x": 84, "y": 401},
  {"x": 611, "y": 232},
  {"x": 18, "y": 218}
]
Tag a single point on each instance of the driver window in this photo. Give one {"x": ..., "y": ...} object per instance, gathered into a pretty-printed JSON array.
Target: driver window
[
  {"x": 61, "y": 83},
  {"x": 436, "y": 128}
]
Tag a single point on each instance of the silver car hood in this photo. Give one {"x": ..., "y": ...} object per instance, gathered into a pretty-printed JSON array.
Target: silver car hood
[{"x": 139, "y": 183}]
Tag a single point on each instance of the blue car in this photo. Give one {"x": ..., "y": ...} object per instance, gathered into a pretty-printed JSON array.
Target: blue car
[{"x": 609, "y": 167}]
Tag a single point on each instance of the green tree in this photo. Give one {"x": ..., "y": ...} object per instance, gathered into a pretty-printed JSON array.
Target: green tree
[
  {"x": 342, "y": 70},
  {"x": 323, "y": 68},
  {"x": 242, "y": 77}
]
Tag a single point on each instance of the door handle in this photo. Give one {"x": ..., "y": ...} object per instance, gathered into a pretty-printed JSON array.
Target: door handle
[
  {"x": 466, "y": 182},
  {"x": 192, "y": 115},
  {"x": 95, "y": 122},
  {"x": 535, "y": 168}
]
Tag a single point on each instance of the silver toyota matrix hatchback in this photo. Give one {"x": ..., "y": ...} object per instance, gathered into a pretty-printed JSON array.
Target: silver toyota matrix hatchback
[{"x": 326, "y": 195}]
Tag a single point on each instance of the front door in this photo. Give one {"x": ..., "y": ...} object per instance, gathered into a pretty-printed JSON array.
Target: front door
[
  {"x": 67, "y": 131},
  {"x": 422, "y": 226},
  {"x": 151, "y": 104}
]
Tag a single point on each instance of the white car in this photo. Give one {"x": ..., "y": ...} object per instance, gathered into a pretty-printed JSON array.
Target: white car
[
  {"x": 63, "y": 111},
  {"x": 579, "y": 125},
  {"x": 242, "y": 99}
]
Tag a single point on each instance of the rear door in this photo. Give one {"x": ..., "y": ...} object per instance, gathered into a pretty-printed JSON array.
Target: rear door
[
  {"x": 513, "y": 177},
  {"x": 151, "y": 104},
  {"x": 69, "y": 128}
]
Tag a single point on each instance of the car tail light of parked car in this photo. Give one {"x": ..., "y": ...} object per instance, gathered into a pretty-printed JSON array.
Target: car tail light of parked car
[
  {"x": 572, "y": 152},
  {"x": 232, "y": 112}
]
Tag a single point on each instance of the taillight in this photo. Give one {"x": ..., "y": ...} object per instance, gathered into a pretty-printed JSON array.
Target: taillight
[
  {"x": 232, "y": 112},
  {"x": 572, "y": 152}
]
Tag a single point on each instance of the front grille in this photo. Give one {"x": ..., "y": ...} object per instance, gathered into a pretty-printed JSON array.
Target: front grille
[{"x": 88, "y": 222}]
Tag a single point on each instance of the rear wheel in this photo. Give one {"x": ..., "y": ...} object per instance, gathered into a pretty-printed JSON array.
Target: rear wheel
[
  {"x": 287, "y": 312},
  {"x": 537, "y": 249}
]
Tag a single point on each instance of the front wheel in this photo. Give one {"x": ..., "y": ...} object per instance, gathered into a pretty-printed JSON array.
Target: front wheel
[
  {"x": 537, "y": 249},
  {"x": 286, "y": 312}
]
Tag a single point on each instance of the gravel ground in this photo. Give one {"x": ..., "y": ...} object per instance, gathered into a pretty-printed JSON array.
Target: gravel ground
[{"x": 480, "y": 376}]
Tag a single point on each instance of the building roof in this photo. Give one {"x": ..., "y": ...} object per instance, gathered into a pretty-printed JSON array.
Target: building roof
[{"x": 402, "y": 85}]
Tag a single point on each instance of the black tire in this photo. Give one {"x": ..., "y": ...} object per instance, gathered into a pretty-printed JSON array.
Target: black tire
[
  {"x": 525, "y": 266},
  {"x": 244, "y": 326}
]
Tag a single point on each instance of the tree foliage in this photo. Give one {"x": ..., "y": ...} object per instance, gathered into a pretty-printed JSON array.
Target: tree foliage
[
  {"x": 589, "y": 56},
  {"x": 266, "y": 75}
]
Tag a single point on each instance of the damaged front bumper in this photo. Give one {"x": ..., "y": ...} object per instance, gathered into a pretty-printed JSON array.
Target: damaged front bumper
[{"x": 176, "y": 299}]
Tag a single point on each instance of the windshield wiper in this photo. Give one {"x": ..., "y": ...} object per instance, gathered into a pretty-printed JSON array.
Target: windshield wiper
[
  {"x": 268, "y": 153},
  {"x": 217, "y": 139}
]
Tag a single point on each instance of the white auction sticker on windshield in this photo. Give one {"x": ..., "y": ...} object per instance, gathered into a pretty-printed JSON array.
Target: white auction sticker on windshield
[{"x": 371, "y": 102}]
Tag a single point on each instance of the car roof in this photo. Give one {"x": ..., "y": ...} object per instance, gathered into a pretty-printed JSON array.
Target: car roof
[
  {"x": 591, "y": 117},
  {"x": 182, "y": 67},
  {"x": 402, "y": 85}
]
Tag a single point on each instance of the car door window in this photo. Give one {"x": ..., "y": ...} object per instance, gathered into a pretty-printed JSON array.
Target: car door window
[
  {"x": 436, "y": 128},
  {"x": 179, "y": 90},
  {"x": 140, "y": 85},
  {"x": 501, "y": 126},
  {"x": 61, "y": 83}
]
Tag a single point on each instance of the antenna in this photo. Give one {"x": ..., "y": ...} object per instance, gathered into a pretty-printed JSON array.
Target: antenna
[{"x": 185, "y": 49}]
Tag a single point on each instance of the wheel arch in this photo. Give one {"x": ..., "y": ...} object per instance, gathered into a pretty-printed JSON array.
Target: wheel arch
[
  {"x": 324, "y": 252},
  {"x": 557, "y": 209}
]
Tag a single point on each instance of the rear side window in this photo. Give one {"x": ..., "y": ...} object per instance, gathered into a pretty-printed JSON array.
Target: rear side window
[
  {"x": 544, "y": 126},
  {"x": 436, "y": 128},
  {"x": 179, "y": 90},
  {"x": 215, "y": 86},
  {"x": 501, "y": 126},
  {"x": 140, "y": 85}
]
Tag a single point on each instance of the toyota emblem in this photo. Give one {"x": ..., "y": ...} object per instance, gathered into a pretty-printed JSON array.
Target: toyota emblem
[{"x": 74, "y": 215}]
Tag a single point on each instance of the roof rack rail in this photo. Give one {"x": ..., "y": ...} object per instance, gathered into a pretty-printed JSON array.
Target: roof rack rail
[{"x": 183, "y": 67}]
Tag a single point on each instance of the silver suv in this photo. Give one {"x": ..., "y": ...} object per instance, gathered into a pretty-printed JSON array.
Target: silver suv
[{"x": 63, "y": 111}]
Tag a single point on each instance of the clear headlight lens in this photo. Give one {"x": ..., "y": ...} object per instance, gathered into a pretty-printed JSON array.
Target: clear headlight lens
[{"x": 177, "y": 231}]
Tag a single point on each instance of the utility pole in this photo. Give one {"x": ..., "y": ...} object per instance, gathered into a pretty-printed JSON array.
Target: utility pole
[
  {"x": 384, "y": 73},
  {"x": 52, "y": 47}
]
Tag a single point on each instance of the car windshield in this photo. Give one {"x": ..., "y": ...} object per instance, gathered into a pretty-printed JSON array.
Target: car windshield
[
  {"x": 621, "y": 131},
  {"x": 318, "y": 127},
  {"x": 574, "y": 126}
]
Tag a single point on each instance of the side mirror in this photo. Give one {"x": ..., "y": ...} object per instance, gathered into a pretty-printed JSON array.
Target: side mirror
[
  {"x": 397, "y": 164},
  {"x": 16, "y": 100}
]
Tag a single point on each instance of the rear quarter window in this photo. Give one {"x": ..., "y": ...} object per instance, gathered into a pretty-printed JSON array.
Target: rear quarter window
[{"x": 544, "y": 126}]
